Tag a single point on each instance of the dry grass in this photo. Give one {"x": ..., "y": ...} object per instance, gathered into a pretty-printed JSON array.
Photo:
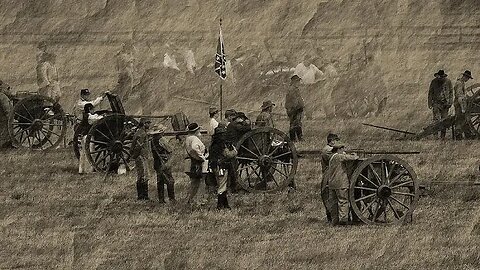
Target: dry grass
[{"x": 52, "y": 218}]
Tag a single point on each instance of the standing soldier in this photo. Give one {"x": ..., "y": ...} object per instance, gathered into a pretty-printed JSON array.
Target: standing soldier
[
  {"x": 440, "y": 98},
  {"x": 85, "y": 98},
  {"x": 125, "y": 59},
  {"x": 162, "y": 163},
  {"x": 265, "y": 119},
  {"x": 294, "y": 104},
  {"x": 140, "y": 152},
  {"x": 196, "y": 152},
  {"x": 338, "y": 184},
  {"x": 213, "y": 113},
  {"x": 216, "y": 162},
  {"x": 460, "y": 103},
  {"x": 332, "y": 139},
  {"x": 47, "y": 77}
]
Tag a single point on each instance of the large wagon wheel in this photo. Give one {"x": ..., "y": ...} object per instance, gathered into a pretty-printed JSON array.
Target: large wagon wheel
[
  {"x": 383, "y": 190},
  {"x": 37, "y": 122},
  {"x": 77, "y": 141},
  {"x": 472, "y": 114},
  {"x": 109, "y": 141},
  {"x": 267, "y": 160}
]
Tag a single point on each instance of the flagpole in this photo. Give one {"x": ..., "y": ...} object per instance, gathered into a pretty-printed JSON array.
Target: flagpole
[{"x": 221, "y": 83}]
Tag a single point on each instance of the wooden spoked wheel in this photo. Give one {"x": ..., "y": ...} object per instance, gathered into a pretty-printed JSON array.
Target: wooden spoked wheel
[
  {"x": 383, "y": 190},
  {"x": 37, "y": 122},
  {"x": 472, "y": 114},
  {"x": 108, "y": 143},
  {"x": 267, "y": 160},
  {"x": 77, "y": 141}
]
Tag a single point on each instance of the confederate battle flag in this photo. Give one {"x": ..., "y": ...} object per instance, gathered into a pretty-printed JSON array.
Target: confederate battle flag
[{"x": 220, "y": 60}]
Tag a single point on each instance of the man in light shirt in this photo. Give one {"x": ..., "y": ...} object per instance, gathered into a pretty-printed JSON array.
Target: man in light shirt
[
  {"x": 85, "y": 98},
  {"x": 308, "y": 72},
  {"x": 460, "y": 104},
  {"x": 213, "y": 123},
  {"x": 47, "y": 77},
  {"x": 196, "y": 152}
]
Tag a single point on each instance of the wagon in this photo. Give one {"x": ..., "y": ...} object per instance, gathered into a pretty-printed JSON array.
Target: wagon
[
  {"x": 471, "y": 129},
  {"x": 384, "y": 188},
  {"x": 35, "y": 121},
  {"x": 109, "y": 139}
]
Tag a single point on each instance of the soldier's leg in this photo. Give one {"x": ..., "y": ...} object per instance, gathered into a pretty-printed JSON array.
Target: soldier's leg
[
  {"x": 170, "y": 181},
  {"x": 343, "y": 205},
  {"x": 333, "y": 205},
  {"x": 161, "y": 181},
  {"x": 142, "y": 181},
  {"x": 458, "y": 122},
  {"x": 324, "y": 195},
  {"x": 436, "y": 116},
  {"x": 443, "y": 115},
  {"x": 194, "y": 186}
]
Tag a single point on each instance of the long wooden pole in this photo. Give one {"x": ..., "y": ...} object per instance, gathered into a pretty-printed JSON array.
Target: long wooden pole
[{"x": 221, "y": 100}]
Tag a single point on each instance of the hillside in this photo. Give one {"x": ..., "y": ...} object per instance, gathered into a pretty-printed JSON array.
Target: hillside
[{"x": 404, "y": 41}]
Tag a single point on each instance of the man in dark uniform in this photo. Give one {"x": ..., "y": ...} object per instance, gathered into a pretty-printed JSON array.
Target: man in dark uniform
[
  {"x": 295, "y": 105},
  {"x": 440, "y": 98},
  {"x": 162, "y": 163},
  {"x": 139, "y": 152},
  {"x": 265, "y": 119},
  {"x": 326, "y": 155}
]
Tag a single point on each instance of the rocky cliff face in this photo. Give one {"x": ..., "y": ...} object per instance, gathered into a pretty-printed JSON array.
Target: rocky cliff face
[{"x": 403, "y": 41}]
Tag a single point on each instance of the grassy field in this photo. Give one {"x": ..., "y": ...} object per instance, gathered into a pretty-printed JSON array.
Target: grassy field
[{"x": 52, "y": 218}]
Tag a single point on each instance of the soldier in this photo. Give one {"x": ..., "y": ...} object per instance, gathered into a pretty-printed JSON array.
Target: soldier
[
  {"x": 47, "y": 77},
  {"x": 88, "y": 119},
  {"x": 332, "y": 139},
  {"x": 213, "y": 112},
  {"x": 440, "y": 98},
  {"x": 140, "y": 152},
  {"x": 216, "y": 162},
  {"x": 338, "y": 184},
  {"x": 460, "y": 103},
  {"x": 196, "y": 152},
  {"x": 230, "y": 114},
  {"x": 295, "y": 105},
  {"x": 162, "y": 163},
  {"x": 265, "y": 119},
  {"x": 85, "y": 98},
  {"x": 124, "y": 65},
  {"x": 42, "y": 49}
]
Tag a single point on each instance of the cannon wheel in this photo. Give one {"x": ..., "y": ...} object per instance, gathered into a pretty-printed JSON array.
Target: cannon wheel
[
  {"x": 473, "y": 112},
  {"x": 37, "y": 122},
  {"x": 267, "y": 160},
  {"x": 384, "y": 190},
  {"x": 109, "y": 143}
]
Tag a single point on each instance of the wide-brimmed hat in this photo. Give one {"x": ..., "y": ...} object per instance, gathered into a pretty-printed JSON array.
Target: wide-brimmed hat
[
  {"x": 332, "y": 137},
  {"x": 295, "y": 78},
  {"x": 213, "y": 110},
  {"x": 230, "y": 112},
  {"x": 468, "y": 74},
  {"x": 157, "y": 129},
  {"x": 193, "y": 127},
  {"x": 267, "y": 104},
  {"x": 85, "y": 92},
  {"x": 441, "y": 73}
]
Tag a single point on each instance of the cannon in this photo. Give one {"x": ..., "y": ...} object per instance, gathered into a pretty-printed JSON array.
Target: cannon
[
  {"x": 384, "y": 188},
  {"x": 34, "y": 121},
  {"x": 471, "y": 128},
  {"x": 109, "y": 139}
]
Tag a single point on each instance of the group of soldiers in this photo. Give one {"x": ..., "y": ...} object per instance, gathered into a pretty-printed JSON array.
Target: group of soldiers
[{"x": 442, "y": 95}]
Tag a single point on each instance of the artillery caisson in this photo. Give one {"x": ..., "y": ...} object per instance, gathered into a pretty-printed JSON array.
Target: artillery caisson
[
  {"x": 35, "y": 121},
  {"x": 383, "y": 188}
]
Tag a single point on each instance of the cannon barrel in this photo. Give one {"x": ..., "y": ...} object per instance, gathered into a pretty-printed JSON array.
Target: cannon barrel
[
  {"x": 175, "y": 133},
  {"x": 390, "y": 129}
]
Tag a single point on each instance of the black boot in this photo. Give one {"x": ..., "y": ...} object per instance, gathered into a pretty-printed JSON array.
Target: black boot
[
  {"x": 171, "y": 192},
  {"x": 219, "y": 201},
  {"x": 225, "y": 201},
  {"x": 142, "y": 191},
  {"x": 299, "y": 132},
  {"x": 293, "y": 134},
  {"x": 161, "y": 192}
]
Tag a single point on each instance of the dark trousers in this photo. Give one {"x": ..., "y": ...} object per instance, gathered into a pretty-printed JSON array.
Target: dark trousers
[
  {"x": 232, "y": 175},
  {"x": 165, "y": 178},
  {"x": 440, "y": 111},
  {"x": 296, "y": 132}
]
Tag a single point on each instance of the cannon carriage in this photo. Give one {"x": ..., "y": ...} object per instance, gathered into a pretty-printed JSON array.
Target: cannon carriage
[
  {"x": 109, "y": 139},
  {"x": 384, "y": 188},
  {"x": 471, "y": 127},
  {"x": 32, "y": 121}
]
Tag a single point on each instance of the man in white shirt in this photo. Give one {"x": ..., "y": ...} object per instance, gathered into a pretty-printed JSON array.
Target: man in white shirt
[
  {"x": 86, "y": 98},
  {"x": 213, "y": 123},
  {"x": 196, "y": 152},
  {"x": 47, "y": 77},
  {"x": 308, "y": 72}
]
